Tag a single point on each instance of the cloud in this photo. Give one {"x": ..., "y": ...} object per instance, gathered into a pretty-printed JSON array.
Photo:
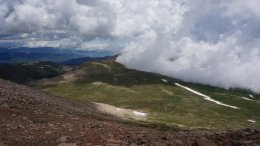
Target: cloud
[
  {"x": 217, "y": 45},
  {"x": 210, "y": 42}
]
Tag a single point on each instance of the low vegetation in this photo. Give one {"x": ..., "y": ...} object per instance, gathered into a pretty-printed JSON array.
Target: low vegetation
[
  {"x": 166, "y": 104},
  {"x": 25, "y": 72}
]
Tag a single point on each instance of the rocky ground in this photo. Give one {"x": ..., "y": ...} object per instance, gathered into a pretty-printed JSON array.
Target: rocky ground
[{"x": 32, "y": 118}]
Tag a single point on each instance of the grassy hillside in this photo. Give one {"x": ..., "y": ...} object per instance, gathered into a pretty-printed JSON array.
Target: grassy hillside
[{"x": 167, "y": 104}]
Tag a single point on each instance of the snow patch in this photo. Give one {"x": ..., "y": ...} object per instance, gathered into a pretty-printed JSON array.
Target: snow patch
[
  {"x": 98, "y": 83},
  {"x": 246, "y": 98},
  {"x": 205, "y": 96},
  {"x": 119, "y": 109},
  {"x": 164, "y": 80},
  {"x": 252, "y": 121},
  {"x": 139, "y": 113},
  {"x": 123, "y": 113},
  {"x": 250, "y": 95},
  {"x": 250, "y": 99}
]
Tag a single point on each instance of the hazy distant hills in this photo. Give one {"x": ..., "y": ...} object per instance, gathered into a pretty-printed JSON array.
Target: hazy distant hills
[
  {"x": 35, "y": 70},
  {"x": 29, "y": 64},
  {"x": 19, "y": 55}
]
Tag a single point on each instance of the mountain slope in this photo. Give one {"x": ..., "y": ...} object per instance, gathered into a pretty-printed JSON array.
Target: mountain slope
[
  {"x": 158, "y": 96},
  {"x": 31, "y": 117}
]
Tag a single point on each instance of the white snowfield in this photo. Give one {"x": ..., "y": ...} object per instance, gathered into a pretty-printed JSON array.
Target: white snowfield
[
  {"x": 164, "y": 80},
  {"x": 250, "y": 95},
  {"x": 205, "y": 96},
  {"x": 246, "y": 98},
  {"x": 250, "y": 99},
  {"x": 123, "y": 113},
  {"x": 252, "y": 121},
  {"x": 119, "y": 109},
  {"x": 139, "y": 113}
]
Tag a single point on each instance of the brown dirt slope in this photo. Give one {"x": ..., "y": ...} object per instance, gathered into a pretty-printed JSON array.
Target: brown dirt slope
[{"x": 32, "y": 118}]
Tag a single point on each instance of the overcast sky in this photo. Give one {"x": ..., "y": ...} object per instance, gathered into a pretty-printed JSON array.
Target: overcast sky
[{"x": 213, "y": 42}]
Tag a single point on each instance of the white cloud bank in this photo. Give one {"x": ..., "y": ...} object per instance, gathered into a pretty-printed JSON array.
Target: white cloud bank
[{"x": 205, "y": 41}]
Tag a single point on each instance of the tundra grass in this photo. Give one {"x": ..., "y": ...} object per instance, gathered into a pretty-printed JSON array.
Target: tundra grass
[{"x": 167, "y": 104}]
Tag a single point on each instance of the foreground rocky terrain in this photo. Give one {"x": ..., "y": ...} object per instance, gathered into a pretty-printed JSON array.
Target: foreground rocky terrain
[{"x": 31, "y": 117}]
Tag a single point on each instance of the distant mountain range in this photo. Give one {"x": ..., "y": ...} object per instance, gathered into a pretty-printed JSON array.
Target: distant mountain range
[
  {"x": 78, "y": 61},
  {"x": 35, "y": 70},
  {"x": 20, "y": 55},
  {"x": 27, "y": 64}
]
